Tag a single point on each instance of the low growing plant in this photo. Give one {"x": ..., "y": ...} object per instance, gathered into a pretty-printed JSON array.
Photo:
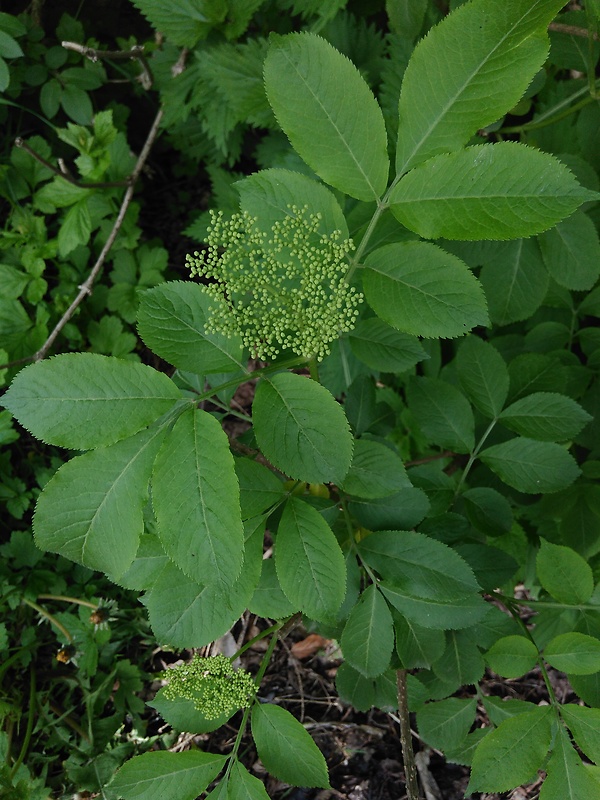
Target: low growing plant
[{"x": 418, "y": 503}]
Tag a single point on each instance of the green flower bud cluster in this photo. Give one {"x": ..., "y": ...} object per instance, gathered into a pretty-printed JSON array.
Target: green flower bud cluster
[
  {"x": 283, "y": 289},
  {"x": 212, "y": 684}
]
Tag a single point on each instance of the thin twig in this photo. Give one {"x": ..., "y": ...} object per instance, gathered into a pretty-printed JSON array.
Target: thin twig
[
  {"x": 136, "y": 53},
  {"x": 64, "y": 172},
  {"x": 86, "y": 287},
  {"x": 573, "y": 30}
]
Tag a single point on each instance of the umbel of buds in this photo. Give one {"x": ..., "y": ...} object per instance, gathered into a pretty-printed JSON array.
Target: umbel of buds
[
  {"x": 212, "y": 684},
  {"x": 281, "y": 289}
]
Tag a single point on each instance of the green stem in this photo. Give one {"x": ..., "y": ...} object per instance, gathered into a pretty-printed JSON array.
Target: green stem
[
  {"x": 547, "y": 118},
  {"x": 257, "y": 638},
  {"x": 408, "y": 754},
  {"x": 66, "y": 599},
  {"x": 292, "y": 362},
  {"x": 474, "y": 455},
  {"x": 29, "y": 728},
  {"x": 545, "y": 604},
  {"x": 313, "y": 368},
  {"x": 230, "y": 411},
  {"x": 49, "y": 617}
]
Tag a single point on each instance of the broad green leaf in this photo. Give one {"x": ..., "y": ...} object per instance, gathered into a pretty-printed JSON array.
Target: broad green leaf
[
  {"x": 149, "y": 562},
  {"x": 483, "y": 375},
  {"x": 9, "y": 47},
  {"x": 488, "y": 510},
  {"x": 309, "y": 561},
  {"x": 512, "y": 754},
  {"x": 268, "y": 600},
  {"x": 531, "y": 466},
  {"x": 564, "y": 574},
  {"x": 354, "y": 688},
  {"x": 450, "y": 90},
  {"x": 566, "y": 776},
  {"x": 376, "y": 471},
  {"x": 490, "y": 191},
  {"x": 431, "y": 612},
  {"x": 443, "y": 413},
  {"x": 360, "y": 405},
  {"x": 244, "y": 786},
  {"x": 368, "y": 637},
  {"x": 160, "y": 775},
  {"x": 462, "y": 663},
  {"x": 587, "y": 687},
  {"x": 76, "y": 226},
  {"x": 584, "y": 724},
  {"x": 546, "y": 416},
  {"x": 515, "y": 281},
  {"x": 270, "y": 195},
  {"x": 260, "y": 489},
  {"x": 383, "y": 348},
  {"x": 196, "y": 500},
  {"x": 286, "y": 749},
  {"x": 185, "y": 23},
  {"x": 577, "y": 653},
  {"x": 445, "y": 723},
  {"x": 303, "y": 76},
  {"x": 417, "y": 647},
  {"x": 184, "y": 613},
  {"x": 492, "y": 566},
  {"x": 421, "y": 289},
  {"x": 571, "y": 252},
  {"x": 171, "y": 321},
  {"x": 91, "y": 510},
  {"x": 85, "y": 400},
  {"x": 498, "y": 709},
  {"x": 512, "y": 656},
  {"x": 406, "y": 16},
  {"x": 400, "y": 511},
  {"x": 419, "y": 565},
  {"x": 301, "y": 429},
  {"x": 184, "y": 716}
]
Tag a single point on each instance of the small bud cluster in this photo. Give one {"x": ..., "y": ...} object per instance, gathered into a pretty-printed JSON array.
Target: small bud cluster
[
  {"x": 212, "y": 684},
  {"x": 281, "y": 290}
]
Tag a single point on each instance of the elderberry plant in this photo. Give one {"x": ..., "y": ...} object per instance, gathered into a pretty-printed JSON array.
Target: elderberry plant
[{"x": 445, "y": 476}]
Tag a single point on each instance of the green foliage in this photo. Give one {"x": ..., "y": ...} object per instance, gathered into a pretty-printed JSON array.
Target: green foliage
[{"x": 404, "y": 481}]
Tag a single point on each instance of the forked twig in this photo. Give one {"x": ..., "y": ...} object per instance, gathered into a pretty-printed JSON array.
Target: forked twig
[{"x": 136, "y": 53}]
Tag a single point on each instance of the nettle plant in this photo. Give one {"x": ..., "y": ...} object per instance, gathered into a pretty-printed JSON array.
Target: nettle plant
[{"x": 412, "y": 569}]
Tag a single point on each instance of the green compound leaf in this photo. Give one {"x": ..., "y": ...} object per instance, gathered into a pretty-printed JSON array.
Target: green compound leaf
[
  {"x": 286, "y": 749},
  {"x": 244, "y": 786},
  {"x": 419, "y": 565},
  {"x": 91, "y": 510},
  {"x": 451, "y": 91},
  {"x": 446, "y": 723},
  {"x": 301, "y": 429},
  {"x": 383, "y": 348},
  {"x": 309, "y": 561},
  {"x": 376, "y": 471},
  {"x": 268, "y": 196},
  {"x": 531, "y": 466},
  {"x": 564, "y": 574},
  {"x": 184, "y": 613},
  {"x": 421, "y": 289},
  {"x": 515, "y": 280},
  {"x": 512, "y": 656},
  {"x": 303, "y": 76},
  {"x": 187, "y": 22},
  {"x": 368, "y": 638},
  {"x": 577, "y": 653},
  {"x": 196, "y": 500},
  {"x": 488, "y": 510},
  {"x": 443, "y": 413},
  {"x": 85, "y": 400},
  {"x": 171, "y": 321},
  {"x": 566, "y": 776},
  {"x": 584, "y": 724},
  {"x": 483, "y": 375},
  {"x": 571, "y": 252},
  {"x": 490, "y": 191},
  {"x": 547, "y": 416},
  {"x": 512, "y": 754},
  {"x": 158, "y": 775}
]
